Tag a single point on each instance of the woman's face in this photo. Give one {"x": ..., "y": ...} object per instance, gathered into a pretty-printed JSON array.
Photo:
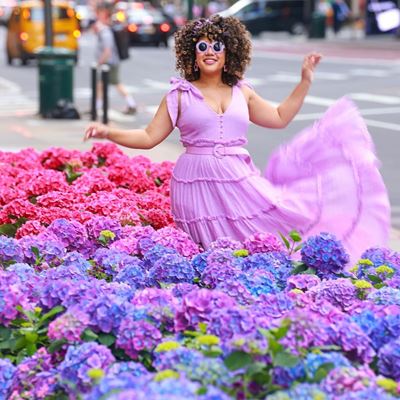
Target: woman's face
[{"x": 210, "y": 56}]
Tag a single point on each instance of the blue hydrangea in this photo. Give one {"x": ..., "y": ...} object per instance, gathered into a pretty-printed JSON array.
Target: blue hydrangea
[
  {"x": 7, "y": 370},
  {"x": 79, "y": 360},
  {"x": 133, "y": 275},
  {"x": 389, "y": 359},
  {"x": 314, "y": 361},
  {"x": 10, "y": 251},
  {"x": 155, "y": 253},
  {"x": 259, "y": 282},
  {"x": 172, "y": 269},
  {"x": 372, "y": 393},
  {"x": 51, "y": 251},
  {"x": 133, "y": 368},
  {"x": 113, "y": 261},
  {"x": 386, "y": 296},
  {"x": 325, "y": 254},
  {"x": 22, "y": 270},
  {"x": 276, "y": 262},
  {"x": 106, "y": 312},
  {"x": 76, "y": 260},
  {"x": 303, "y": 391},
  {"x": 199, "y": 262}
]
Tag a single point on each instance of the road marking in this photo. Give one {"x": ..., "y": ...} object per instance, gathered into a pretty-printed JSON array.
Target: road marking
[
  {"x": 376, "y": 98},
  {"x": 331, "y": 76},
  {"x": 10, "y": 86},
  {"x": 384, "y": 125},
  {"x": 157, "y": 84},
  {"x": 319, "y": 101},
  {"x": 376, "y": 73},
  {"x": 14, "y": 104}
]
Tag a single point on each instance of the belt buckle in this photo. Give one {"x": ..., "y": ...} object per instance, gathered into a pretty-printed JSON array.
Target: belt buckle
[{"x": 219, "y": 151}]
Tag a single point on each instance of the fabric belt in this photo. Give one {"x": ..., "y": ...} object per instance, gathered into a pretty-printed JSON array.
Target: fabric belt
[{"x": 218, "y": 151}]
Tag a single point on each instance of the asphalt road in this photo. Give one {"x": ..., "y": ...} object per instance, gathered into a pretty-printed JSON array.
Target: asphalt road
[{"x": 368, "y": 74}]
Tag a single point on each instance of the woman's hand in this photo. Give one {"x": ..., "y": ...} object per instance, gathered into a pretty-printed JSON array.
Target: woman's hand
[
  {"x": 96, "y": 131},
  {"x": 309, "y": 64}
]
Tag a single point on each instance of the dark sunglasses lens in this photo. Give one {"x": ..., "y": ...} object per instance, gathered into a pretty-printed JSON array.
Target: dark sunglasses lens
[
  {"x": 202, "y": 46},
  {"x": 217, "y": 47}
]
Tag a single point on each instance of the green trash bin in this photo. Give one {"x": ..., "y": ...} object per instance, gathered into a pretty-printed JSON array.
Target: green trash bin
[
  {"x": 317, "y": 26},
  {"x": 56, "y": 66}
]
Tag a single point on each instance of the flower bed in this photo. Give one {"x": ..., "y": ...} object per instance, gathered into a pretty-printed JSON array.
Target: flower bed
[{"x": 102, "y": 298}]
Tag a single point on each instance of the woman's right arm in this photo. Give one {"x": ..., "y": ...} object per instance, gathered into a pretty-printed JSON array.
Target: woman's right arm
[{"x": 158, "y": 129}]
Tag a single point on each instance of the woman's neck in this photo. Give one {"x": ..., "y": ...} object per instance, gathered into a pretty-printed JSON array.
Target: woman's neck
[{"x": 210, "y": 80}]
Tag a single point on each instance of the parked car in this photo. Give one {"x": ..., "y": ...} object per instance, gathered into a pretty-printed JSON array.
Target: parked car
[
  {"x": 269, "y": 15},
  {"x": 25, "y": 30},
  {"x": 149, "y": 26}
]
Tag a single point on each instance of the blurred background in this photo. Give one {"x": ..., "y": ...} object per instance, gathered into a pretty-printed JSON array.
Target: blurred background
[{"x": 45, "y": 68}]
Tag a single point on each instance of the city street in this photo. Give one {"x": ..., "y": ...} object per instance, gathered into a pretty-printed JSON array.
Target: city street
[{"x": 369, "y": 74}]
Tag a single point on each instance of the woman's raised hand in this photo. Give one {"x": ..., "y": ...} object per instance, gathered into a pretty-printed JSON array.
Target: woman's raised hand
[
  {"x": 96, "y": 131},
  {"x": 309, "y": 64}
]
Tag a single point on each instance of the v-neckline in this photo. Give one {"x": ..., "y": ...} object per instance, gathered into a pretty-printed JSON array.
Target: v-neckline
[{"x": 208, "y": 105}]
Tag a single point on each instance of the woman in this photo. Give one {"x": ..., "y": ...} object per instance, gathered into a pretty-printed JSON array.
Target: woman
[{"x": 326, "y": 179}]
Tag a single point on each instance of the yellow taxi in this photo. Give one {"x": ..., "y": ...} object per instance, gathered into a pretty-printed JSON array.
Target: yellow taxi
[{"x": 25, "y": 33}]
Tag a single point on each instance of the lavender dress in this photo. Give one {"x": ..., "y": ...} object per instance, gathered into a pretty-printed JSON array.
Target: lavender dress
[{"x": 325, "y": 179}]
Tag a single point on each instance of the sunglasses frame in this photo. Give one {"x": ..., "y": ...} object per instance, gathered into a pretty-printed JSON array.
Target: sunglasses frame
[{"x": 210, "y": 46}]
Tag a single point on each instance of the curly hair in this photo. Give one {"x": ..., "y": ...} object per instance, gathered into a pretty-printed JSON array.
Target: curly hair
[{"x": 228, "y": 30}]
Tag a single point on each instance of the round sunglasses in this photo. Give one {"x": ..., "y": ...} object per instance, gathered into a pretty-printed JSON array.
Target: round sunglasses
[{"x": 203, "y": 46}]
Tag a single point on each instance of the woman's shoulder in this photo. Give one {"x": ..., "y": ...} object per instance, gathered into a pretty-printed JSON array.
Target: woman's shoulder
[{"x": 183, "y": 85}]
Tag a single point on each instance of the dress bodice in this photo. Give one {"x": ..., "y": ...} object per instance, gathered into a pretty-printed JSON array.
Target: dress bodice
[{"x": 199, "y": 124}]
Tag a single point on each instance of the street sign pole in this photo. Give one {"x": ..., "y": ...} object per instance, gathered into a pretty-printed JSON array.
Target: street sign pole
[
  {"x": 190, "y": 10},
  {"x": 48, "y": 24}
]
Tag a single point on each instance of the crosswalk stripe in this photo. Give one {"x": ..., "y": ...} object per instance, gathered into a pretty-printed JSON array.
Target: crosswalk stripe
[
  {"x": 375, "y": 98},
  {"x": 384, "y": 125}
]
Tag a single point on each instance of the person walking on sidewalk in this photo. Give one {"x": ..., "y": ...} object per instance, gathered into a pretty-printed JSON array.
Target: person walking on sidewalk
[
  {"x": 107, "y": 53},
  {"x": 324, "y": 179}
]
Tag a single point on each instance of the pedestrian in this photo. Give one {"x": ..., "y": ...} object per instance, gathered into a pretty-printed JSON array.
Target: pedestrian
[
  {"x": 325, "y": 179},
  {"x": 341, "y": 12},
  {"x": 107, "y": 54}
]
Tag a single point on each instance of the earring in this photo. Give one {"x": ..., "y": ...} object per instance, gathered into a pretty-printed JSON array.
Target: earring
[
  {"x": 195, "y": 67},
  {"x": 225, "y": 68}
]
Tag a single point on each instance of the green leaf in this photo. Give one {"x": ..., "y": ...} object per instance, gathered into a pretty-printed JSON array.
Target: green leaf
[
  {"x": 202, "y": 327},
  {"x": 295, "y": 236},
  {"x": 309, "y": 271},
  {"x": 285, "y": 359},
  {"x": 7, "y": 344},
  {"x": 31, "y": 337},
  {"x": 322, "y": 372},
  {"x": 51, "y": 313},
  {"x": 106, "y": 339},
  {"x": 56, "y": 345},
  {"x": 285, "y": 241},
  {"x": 299, "y": 268},
  {"x": 8, "y": 230},
  {"x": 374, "y": 278},
  {"x": 212, "y": 353},
  {"x": 35, "y": 251},
  {"x": 89, "y": 336},
  {"x": 281, "y": 332},
  {"x": 238, "y": 360},
  {"x": 31, "y": 348},
  {"x": 299, "y": 247}
]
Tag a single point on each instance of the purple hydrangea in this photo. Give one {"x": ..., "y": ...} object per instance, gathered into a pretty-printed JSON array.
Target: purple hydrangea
[
  {"x": 10, "y": 251},
  {"x": 272, "y": 306},
  {"x": 71, "y": 234},
  {"x": 97, "y": 224},
  {"x": 389, "y": 359},
  {"x": 343, "y": 380},
  {"x": 49, "y": 250},
  {"x": 135, "y": 336},
  {"x": 302, "y": 281},
  {"x": 69, "y": 326},
  {"x": 225, "y": 243},
  {"x": 182, "y": 289},
  {"x": 237, "y": 290},
  {"x": 7, "y": 371},
  {"x": 11, "y": 295},
  {"x": 367, "y": 394},
  {"x": 106, "y": 312},
  {"x": 133, "y": 275},
  {"x": 325, "y": 254},
  {"x": 171, "y": 269},
  {"x": 263, "y": 242},
  {"x": 339, "y": 292},
  {"x": 176, "y": 239},
  {"x": 34, "y": 378},
  {"x": 214, "y": 274},
  {"x": 76, "y": 260},
  {"x": 198, "y": 305},
  {"x": 79, "y": 360},
  {"x": 23, "y": 271}
]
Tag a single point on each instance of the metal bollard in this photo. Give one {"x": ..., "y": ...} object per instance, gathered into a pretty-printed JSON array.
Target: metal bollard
[
  {"x": 105, "y": 72},
  {"x": 93, "y": 79}
]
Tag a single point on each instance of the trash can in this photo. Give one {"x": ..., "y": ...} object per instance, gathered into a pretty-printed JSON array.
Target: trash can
[
  {"x": 317, "y": 26},
  {"x": 56, "y": 66}
]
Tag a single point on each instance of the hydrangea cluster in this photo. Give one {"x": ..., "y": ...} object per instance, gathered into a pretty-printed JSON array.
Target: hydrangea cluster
[
  {"x": 146, "y": 314},
  {"x": 325, "y": 254}
]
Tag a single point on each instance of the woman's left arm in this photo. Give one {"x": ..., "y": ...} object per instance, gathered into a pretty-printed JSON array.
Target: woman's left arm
[{"x": 264, "y": 114}]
